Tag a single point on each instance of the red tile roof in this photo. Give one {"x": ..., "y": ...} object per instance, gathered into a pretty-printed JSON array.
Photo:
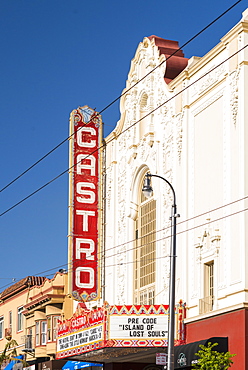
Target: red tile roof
[
  {"x": 176, "y": 63},
  {"x": 21, "y": 285}
]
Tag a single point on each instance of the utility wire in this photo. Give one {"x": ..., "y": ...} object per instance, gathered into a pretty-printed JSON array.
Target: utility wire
[
  {"x": 33, "y": 165},
  {"x": 161, "y": 239},
  {"x": 168, "y": 236},
  {"x": 39, "y": 273},
  {"x": 122, "y": 132},
  {"x": 41, "y": 159},
  {"x": 182, "y": 232},
  {"x": 178, "y": 224},
  {"x": 159, "y": 65},
  {"x": 124, "y": 93},
  {"x": 118, "y": 135},
  {"x": 49, "y": 182},
  {"x": 157, "y": 240},
  {"x": 164, "y": 238}
]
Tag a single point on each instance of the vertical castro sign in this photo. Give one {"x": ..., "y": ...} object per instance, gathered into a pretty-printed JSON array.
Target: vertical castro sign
[{"x": 84, "y": 192}]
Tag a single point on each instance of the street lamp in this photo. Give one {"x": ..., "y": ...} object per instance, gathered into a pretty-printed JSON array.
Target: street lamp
[{"x": 147, "y": 191}]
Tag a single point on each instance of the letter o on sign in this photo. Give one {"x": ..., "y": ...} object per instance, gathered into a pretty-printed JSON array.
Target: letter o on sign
[{"x": 85, "y": 270}]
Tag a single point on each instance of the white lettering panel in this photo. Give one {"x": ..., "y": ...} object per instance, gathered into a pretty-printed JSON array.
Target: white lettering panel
[
  {"x": 138, "y": 327},
  {"x": 81, "y": 338}
]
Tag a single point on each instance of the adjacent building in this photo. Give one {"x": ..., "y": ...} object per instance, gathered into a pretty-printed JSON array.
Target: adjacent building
[{"x": 29, "y": 314}]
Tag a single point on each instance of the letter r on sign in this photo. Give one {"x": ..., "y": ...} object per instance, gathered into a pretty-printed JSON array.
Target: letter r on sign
[{"x": 88, "y": 251}]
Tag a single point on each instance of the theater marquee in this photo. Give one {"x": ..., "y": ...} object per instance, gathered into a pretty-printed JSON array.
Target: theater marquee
[
  {"x": 85, "y": 132},
  {"x": 117, "y": 327}
]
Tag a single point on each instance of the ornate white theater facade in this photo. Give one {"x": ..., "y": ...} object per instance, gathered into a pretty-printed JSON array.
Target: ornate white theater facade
[{"x": 185, "y": 120}]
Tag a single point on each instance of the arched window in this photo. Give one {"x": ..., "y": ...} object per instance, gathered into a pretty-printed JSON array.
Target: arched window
[
  {"x": 143, "y": 113},
  {"x": 145, "y": 250}
]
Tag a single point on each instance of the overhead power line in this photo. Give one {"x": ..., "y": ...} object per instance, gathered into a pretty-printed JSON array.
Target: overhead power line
[
  {"x": 124, "y": 93},
  {"x": 33, "y": 165},
  {"x": 157, "y": 240},
  {"x": 133, "y": 240},
  {"x": 179, "y": 223},
  {"x": 118, "y": 253},
  {"x": 159, "y": 65},
  {"x": 128, "y": 128}
]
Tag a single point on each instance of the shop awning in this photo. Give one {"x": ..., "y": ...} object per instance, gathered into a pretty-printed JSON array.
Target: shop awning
[
  {"x": 13, "y": 362},
  {"x": 76, "y": 365},
  {"x": 185, "y": 355}
]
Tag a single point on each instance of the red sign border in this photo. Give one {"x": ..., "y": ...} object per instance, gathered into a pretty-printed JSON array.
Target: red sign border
[{"x": 85, "y": 164}]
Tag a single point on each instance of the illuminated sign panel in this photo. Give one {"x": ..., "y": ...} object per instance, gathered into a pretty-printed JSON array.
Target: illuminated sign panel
[
  {"x": 82, "y": 333},
  {"x": 84, "y": 204},
  {"x": 139, "y": 327},
  {"x": 80, "y": 339}
]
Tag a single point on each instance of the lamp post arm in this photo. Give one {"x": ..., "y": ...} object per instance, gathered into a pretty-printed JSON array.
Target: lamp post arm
[{"x": 172, "y": 189}]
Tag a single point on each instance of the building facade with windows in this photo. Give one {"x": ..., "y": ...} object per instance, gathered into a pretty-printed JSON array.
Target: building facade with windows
[
  {"x": 12, "y": 301},
  {"x": 186, "y": 121},
  {"x": 29, "y": 313}
]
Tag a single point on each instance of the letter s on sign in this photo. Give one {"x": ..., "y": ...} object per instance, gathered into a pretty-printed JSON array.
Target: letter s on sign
[{"x": 81, "y": 191}]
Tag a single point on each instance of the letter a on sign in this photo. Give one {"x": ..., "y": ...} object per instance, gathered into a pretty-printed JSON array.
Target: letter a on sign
[{"x": 85, "y": 131}]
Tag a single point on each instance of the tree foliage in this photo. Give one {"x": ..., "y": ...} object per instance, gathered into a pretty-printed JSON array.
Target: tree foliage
[
  {"x": 212, "y": 360},
  {"x": 10, "y": 352}
]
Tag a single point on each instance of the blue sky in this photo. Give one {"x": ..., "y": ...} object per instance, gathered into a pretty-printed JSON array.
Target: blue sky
[{"x": 57, "y": 55}]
